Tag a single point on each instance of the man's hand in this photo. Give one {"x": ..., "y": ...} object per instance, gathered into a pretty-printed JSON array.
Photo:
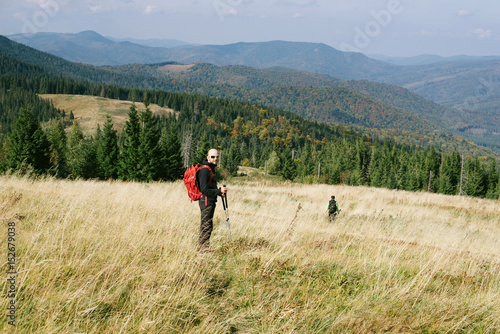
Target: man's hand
[{"x": 223, "y": 190}]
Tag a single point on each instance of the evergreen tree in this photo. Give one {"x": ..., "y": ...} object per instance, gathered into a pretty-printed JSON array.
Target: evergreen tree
[
  {"x": 376, "y": 168},
  {"x": 58, "y": 150},
  {"x": 3, "y": 156},
  {"x": 86, "y": 165},
  {"x": 81, "y": 154},
  {"x": 308, "y": 165},
  {"x": 129, "y": 155},
  {"x": 492, "y": 180},
  {"x": 431, "y": 168},
  {"x": 447, "y": 183},
  {"x": 203, "y": 148},
  {"x": 172, "y": 163},
  {"x": 288, "y": 170},
  {"x": 28, "y": 144},
  {"x": 361, "y": 163},
  {"x": 496, "y": 195},
  {"x": 233, "y": 158},
  {"x": 150, "y": 158},
  {"x": 475, "y": 180},
  {"x": 273, "y": 163},
  {"x": 402, "y": 170},
  {"x": 107, "y": 152},
  {"x": 414, "y": 180},
  {"x": 73, "y": 155}
]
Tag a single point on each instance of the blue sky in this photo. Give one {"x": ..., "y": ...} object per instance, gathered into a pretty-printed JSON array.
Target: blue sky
[{"x": 390, "y": 27}]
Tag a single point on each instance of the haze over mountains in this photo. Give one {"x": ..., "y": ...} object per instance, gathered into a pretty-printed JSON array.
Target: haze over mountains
[{"x": 469, "y": 85}]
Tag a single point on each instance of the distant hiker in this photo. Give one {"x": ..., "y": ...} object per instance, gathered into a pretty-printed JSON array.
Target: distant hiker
[
  {"x": 332, "y": 208},
  {"x": 207, "y": 181}
]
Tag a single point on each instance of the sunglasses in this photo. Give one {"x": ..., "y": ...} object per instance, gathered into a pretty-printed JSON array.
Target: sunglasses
[{"x": 214, "y": 157}]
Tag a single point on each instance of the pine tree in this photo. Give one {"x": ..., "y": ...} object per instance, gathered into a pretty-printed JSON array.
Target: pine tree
[
  {"x": 402, "y": 170},
  {"x": 288, "y": 170},
  {"x": 233, "y": 158},
  {"x": 492, "y": 180},
  {"x": 474, "y": 178},
  {"x": 28, "y": 144},
  {"x": 308, "y": 165},
  {"x": 107, "y": 152},
  {"x": 432, "y": 162},
  {"x": 496, "y": 195},
  {"x": 376, "y": 168},
  {"x": 447, "y": 178},
  {"x": 129, "y": 155},
  {"x": 203, "y": 148},
  {"x": 149, "y": 148},
  {"x": 273, "y": 164},
  {"x": 73, "y": 155},
  {"x": 172, "y": 164},
  {"x": 81, "y": 154},
  {"x": 86, "y": 163},
  {"x": 58, "y": 150}
]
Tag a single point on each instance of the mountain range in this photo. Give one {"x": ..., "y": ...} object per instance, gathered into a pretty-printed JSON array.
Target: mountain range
[{"x": 297, "y": 77}]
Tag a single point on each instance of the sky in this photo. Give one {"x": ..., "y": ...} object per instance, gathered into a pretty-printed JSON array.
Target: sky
[{"x": 387, "y": 27}]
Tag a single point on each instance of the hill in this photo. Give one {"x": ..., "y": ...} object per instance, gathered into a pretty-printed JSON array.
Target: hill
[
  {"x": 91, "y": 111},
  {"x": 323, "y": 98},
  {"x": 466, "y": 83},
  {"x": 471, "y": 87},
  {"x": 427, "y": 59},
  {"x": 92, "y": 48},
  {"x": 153, "y": 42},
  {"x": 454, "y": 82},
  {"x": 133, "y": 76},
  {"x": 121, "y": 256},
  {"x": 272, "y": 78}
]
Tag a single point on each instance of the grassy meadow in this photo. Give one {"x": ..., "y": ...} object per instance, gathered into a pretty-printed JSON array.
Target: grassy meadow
[
  {"x": 117, "y": 257},
  {"x": 91, "y": 111}
]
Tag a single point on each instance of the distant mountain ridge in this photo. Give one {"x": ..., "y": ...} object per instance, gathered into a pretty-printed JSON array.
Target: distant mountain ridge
[
  {"x": 92, "y": 48},
  {"x": 153, "y": 42},
  {"x": 317, "y": 96},
  {"x": 426, "y": 59}
]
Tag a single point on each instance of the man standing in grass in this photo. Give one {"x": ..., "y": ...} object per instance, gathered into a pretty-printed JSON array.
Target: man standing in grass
[
  {"x": 332, "y": 209},
  {"x": 207, "y": 182}
]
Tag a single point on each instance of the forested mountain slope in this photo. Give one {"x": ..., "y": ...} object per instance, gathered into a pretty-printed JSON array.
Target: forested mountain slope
[{"x": 326, "y": 104}]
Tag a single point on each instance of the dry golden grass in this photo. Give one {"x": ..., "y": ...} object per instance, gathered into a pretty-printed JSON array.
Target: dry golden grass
[
  {"x": 90, "y": 111},
  {"x": 114, "y": 257}
]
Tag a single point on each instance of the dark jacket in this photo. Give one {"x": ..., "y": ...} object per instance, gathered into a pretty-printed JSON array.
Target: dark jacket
[
  {"x": 208, "y": 188},
  {"x": 332, "y": 206}
]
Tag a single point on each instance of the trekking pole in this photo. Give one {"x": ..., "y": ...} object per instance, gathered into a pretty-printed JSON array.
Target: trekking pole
[{"x": 226, "y": 209}]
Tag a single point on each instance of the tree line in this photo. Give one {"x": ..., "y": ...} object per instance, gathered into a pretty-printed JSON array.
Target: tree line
[{"x": 159, "y": 148}]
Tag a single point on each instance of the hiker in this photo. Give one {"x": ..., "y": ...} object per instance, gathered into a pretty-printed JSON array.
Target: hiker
[
  {"x": 207, "y": 181},
  {"x": 332, "y": 208}
]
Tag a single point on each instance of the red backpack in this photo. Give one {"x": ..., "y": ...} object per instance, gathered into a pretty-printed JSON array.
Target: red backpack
[{"x": 191, "y": 182}]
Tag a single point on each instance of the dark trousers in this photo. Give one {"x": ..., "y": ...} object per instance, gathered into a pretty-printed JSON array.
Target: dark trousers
[{"x": 206, "y": 226}]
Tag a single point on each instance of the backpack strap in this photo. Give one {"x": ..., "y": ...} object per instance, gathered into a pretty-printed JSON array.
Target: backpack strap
[
  {"x": 209, "y": 180},
  {"x": 211, "y": 173}
]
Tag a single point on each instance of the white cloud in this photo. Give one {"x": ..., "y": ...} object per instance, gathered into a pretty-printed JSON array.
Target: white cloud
[
  {"x": 96, "y": 9},
  {"x": 297, "y": 16},
  {"x": 231, "y": 11},
  {"x": 464, "y": 13},
  {"x": 481, "y": 33},
  {"x": 226, "y": 11},
  {"x": 151, "y": 9},
  {"x": 426, "y": 33}
]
